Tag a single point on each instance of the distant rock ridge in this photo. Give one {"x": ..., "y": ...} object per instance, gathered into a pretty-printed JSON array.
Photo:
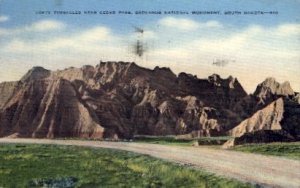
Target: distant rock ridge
[
  {"x": 271, "y": 87},
  {"x": 120, "y": 100}
]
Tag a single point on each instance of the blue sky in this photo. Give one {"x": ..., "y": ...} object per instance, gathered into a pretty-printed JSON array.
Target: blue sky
[{"x": 255, "y": 46}]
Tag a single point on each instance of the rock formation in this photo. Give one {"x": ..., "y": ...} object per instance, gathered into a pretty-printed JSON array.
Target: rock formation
[
  {"x": 270, "y": 88},
  {"x": 266, "y": 119},
  {"x": 279, "y": 120},
  {"x": 117, "y": 100},
  {"x": 120, "y": 100},
  {"x": 45, "y": 108}
]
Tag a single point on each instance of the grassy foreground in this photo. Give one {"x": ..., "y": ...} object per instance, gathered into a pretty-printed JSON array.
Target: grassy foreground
[
  {"x": 290, "y": 150},
  {"x": 35, "y": 165}
]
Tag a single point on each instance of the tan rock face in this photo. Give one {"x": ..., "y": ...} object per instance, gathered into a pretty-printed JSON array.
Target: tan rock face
[
  {"x": 7, "y": 90},
  {"x": 266, "y": 119}
]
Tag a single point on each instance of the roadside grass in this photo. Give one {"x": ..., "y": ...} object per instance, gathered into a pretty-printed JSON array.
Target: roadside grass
[
  {"x": 284, "y": 149},
  {"x": 172, "y": 140},
  {"x": 30, "y": 165},
  {"x": 165, "y": 140}
]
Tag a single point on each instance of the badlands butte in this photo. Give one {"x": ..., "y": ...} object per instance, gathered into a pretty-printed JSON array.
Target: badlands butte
[{"x": 119, "y": 100}]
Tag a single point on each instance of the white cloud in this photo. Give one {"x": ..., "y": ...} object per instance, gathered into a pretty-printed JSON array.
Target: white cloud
[
  {"x": 179, "y": 23},
  {"x": 288, "y": 29},
  {"x": 45, "y": 25},
  {"x": 254, "y": 40},
  {"x": 39, "y": 26},
  {"x": 81, "y": 48},
  {"x": 258, "y": 51},
  {"x": 16, "y": 46},
  {"x": 185, "y": 24},
  {"x": 82, "y": 41},
  {"x": 210, "y": 24},
  {"x": 3, "y": 18},
  {"x": 147, "y": 34},
  {"x": 84, "y": 47}
]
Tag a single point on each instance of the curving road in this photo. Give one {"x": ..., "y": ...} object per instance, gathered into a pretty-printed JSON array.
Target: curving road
[{"x": 268, "y": 171}]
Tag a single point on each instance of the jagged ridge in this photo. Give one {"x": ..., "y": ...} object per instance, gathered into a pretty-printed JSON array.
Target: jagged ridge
[{"x": 116, "y": 99}]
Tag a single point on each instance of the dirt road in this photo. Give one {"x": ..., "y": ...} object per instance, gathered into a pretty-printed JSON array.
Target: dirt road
[{"x": 264, "y": 170}]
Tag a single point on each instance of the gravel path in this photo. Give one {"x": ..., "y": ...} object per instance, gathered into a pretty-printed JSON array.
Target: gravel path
[{"x": 268, "y": 171}]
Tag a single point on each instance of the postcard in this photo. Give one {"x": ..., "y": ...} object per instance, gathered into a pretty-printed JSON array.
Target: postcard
[{"x": 153, "y": 93}]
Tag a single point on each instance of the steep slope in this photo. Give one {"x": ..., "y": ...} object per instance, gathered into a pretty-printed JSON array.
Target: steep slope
[
  {"x": 277, "y": 122},
  {"x": 266, "y": 119},
  {"x": 46, "y": 108}
]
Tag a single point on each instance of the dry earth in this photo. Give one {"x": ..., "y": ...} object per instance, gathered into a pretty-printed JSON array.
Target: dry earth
[{"x": 268, "y": 171}]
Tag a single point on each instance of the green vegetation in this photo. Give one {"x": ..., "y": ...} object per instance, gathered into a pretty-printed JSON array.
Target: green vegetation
[
  {"x": 169, "y": 140},
  {"x": 285, "y": 149},
  {"x": 34, "y": 165},
  {"x": 172, "y": 140}
]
